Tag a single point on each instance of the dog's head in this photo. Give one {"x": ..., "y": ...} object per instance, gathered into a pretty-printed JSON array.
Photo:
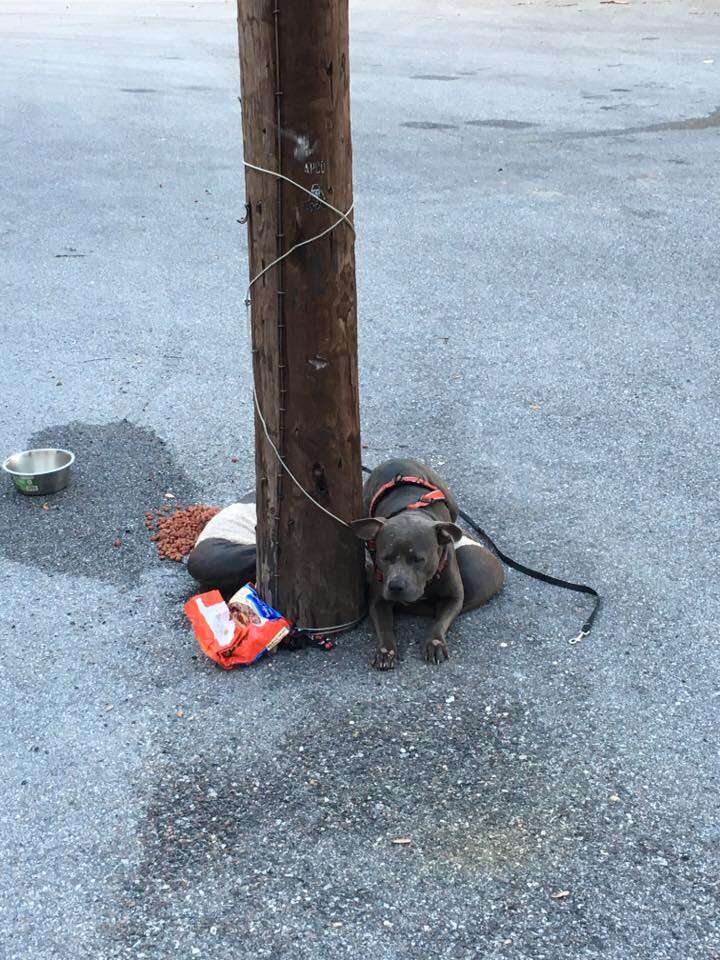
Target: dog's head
[{"x": 408, "y": 550}]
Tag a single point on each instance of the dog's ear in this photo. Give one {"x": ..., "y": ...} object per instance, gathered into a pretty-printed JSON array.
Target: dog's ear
[
  {"x": 447, "y": 532},
  {"x": 368, "y": 528}
]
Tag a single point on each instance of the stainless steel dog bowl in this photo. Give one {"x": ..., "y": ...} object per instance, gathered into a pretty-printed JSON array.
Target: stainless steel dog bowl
[{"x": 38, "y": 472}]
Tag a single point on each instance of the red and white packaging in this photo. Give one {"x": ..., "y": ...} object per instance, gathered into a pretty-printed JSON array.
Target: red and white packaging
[{"x": 236, "y": 633}]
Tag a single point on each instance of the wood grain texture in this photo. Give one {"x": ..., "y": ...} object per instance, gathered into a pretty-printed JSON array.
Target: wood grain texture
[{"x": 304, "y": 313}]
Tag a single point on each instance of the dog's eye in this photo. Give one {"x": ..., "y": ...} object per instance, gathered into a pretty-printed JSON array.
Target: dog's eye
[{"x": 418, "y": 559}]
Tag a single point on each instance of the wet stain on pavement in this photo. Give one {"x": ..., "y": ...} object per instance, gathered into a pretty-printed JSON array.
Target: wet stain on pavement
[
  {"x": 490, "y": 805},
  {"x": 644, "y": 214},
  {"x": 428, "y": 125},
  {"x": 501, "y": 124},
  {"x": 689, "y": 123},
  {"x": 121, "y": 471},
  {"x": 434, "y": 76},
  {"x": 345, "y": 781}
]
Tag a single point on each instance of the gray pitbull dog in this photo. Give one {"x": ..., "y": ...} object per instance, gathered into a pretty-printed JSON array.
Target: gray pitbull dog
[{"x": 422, "y": 562}]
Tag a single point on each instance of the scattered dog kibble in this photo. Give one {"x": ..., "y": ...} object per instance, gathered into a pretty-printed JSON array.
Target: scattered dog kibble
[
  {"x": 180, "y": 713},
  {"x": 117, "y": 542},
  {"x": 233, "y": 459},
  {"x": 174, "y": 536}
]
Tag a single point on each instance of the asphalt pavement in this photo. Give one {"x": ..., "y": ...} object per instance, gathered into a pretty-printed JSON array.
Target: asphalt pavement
[{"x": 537, "y": 259}]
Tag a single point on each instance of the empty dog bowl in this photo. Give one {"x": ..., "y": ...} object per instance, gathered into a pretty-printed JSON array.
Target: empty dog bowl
[{"x": 37, "y": 472}]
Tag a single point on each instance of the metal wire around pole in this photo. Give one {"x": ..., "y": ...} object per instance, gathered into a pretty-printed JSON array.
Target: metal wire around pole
[{"x": 343, "y": 218}]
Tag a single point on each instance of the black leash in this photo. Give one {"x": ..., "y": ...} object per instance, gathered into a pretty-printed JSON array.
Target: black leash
[
  {"x": 544, "y": 577},
  {"x": 537, "y": 575}
]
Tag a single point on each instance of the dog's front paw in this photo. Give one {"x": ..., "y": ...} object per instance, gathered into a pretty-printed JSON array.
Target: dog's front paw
[
  {"x": 384, "y": 658},
  {"x": 435, "y": 650}
]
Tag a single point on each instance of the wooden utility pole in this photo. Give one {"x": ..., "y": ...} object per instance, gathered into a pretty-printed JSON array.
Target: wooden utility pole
[{"x": 296, "y": 121}]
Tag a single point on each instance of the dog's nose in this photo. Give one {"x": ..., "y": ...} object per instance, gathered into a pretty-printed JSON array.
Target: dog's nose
[{"x": 396, "y": 585}]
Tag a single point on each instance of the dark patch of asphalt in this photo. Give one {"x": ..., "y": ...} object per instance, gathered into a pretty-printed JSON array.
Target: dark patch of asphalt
[{"x": 122, "y": 471}]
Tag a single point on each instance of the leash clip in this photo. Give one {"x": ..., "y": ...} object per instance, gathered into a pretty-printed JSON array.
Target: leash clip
[{"x": 579, "y": 637}]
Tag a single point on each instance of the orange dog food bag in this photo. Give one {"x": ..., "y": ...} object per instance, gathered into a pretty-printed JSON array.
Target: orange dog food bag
[{"x": 236, "y": 633}]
